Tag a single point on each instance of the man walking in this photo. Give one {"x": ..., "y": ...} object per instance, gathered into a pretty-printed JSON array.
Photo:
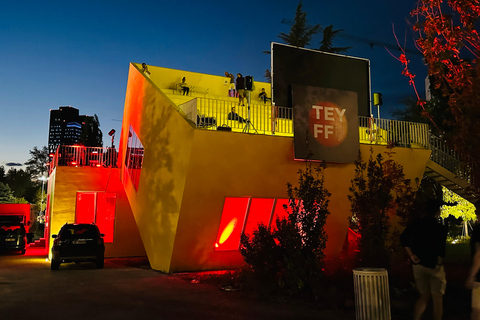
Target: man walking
[{"x": 424, "y": 240}]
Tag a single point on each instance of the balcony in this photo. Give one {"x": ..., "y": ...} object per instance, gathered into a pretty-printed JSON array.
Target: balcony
[{"x": 81, "y": 156}]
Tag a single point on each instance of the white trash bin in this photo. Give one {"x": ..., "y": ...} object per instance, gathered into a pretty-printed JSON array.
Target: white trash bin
[{"x": 372, "y": 297}]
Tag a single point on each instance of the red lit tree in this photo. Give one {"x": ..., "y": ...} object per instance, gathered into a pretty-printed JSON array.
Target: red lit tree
[{"x": 448, "y": 37}]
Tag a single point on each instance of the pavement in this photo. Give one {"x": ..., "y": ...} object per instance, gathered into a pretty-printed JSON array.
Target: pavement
[{"x": 127, "y": 288}]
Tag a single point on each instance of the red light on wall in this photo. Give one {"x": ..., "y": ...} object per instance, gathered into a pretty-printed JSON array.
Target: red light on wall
[
  {"x": 98, "y": 208},
  {"x": 231, "y": 224},
  {"x": 105, "y": 214},
  {"x": 260, "y": 212},
  {"x": 280, "y": 211},
  {"x": 85, "y": 210}
]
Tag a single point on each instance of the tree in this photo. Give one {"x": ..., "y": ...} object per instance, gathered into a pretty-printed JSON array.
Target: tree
[
  {"x": 37, "y": 164},
  {"x": 326, "y": 43},
  {"x": 6, "y": 194},
  {"x": 91, "y": 134},
  {"x": 463, "y": 208},
  {"x": 300, "y": 33},
  {"x": 2, "y": 174},
  {"x": 449, "y": 40},
  {"x": 379, "y": 193},
  {"x": 22, "y": 184}
]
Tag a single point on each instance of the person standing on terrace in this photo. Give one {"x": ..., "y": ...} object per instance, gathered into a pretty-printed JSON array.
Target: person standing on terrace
[
  {"x": 231, "y": 86},
  {"x": 240, "y": 85}
]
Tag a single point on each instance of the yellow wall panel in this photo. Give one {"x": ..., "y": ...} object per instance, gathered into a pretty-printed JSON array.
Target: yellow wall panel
[
  {"x": 67, "y": 181},
  {"x": 167, "y": 138}
]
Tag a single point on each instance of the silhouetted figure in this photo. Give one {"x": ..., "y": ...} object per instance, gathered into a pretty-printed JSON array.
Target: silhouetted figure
[
  {"x": 145, "y": 69},
  {"x": 231, "y": 86},
  {"x": 185, "y": 87},
  {"x": 425, "y": 242},
  {"x": 234, "y": 116},
  {"x": 263, "y": 96},
  {"x": 240, "y": 85}
]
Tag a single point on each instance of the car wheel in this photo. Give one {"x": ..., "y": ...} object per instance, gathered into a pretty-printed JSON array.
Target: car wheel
[
  {"x": 54, "y": 265},
  {"x": 23, "y": 251},
  {"x": 100, "y": 262}
]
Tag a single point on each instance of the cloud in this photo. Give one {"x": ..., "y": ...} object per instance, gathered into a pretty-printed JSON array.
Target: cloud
[{"x": 13, "y": 164}]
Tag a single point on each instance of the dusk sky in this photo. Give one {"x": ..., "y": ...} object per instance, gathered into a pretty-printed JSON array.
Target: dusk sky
[{"x": 77, "y": 53}]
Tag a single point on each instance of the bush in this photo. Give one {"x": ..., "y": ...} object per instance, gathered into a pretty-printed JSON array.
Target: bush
[
  {"x": 379, "y": 192},
  {"x": 290, "y": 256}
]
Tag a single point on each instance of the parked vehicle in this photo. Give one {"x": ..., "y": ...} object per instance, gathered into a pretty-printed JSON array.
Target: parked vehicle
[
  {"x": 12, "y": 236},
  {"x": 78, "y": 243}
]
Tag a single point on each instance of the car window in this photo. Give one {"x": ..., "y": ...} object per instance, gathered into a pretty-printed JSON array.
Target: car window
[{"x": 77, "y": 232}]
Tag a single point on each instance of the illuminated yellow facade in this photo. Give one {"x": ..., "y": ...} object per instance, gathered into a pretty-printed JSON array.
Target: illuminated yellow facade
[
  {"x": 188, "y": 172},
  {"x": 173, "y": 211}
]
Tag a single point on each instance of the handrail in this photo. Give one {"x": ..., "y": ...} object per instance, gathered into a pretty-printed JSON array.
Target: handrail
[
  {"x": 81, "y": 156},
  {"x": 448, "y": 158},
  {"x": 263, "y": 118}
]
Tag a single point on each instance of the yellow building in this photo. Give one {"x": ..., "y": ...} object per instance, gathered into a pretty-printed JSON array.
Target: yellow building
[{"x": 187, "y": 171}]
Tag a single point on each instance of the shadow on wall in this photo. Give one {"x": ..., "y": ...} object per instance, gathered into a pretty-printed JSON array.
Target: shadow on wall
[{"x": 160, "y": 179}]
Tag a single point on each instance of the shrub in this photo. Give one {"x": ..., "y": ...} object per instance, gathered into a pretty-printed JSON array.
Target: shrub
[
  {"x": 379, "y": 192},
  {"x": 290, "y": 255}
]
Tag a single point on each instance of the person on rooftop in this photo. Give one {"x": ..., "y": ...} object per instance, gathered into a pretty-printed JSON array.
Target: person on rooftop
[
  {"x": 231, "y": 86},
  {"x": 240, "y": 85}
]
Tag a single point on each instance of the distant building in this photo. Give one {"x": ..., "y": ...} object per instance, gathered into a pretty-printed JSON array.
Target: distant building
[{"x": 66, "y": 127}]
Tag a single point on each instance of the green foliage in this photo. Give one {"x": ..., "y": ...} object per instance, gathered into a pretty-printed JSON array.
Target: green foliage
[
  {"x": 37, "y": 164},
  {"x": 464, "y": 209},
  {"x": 300, "y": 33},
  {"x": 6, "y": 194},
  {"x": 291, "y": 256},
  {"x": 22, "y": 184},
  {"x": 379, "y": 191},
  {"x": 20, "y": 200}
]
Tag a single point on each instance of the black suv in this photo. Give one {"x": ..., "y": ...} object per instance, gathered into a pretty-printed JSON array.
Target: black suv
[
  {"x": 12, "y": 236},
  {"x": 78, "y": 243}
]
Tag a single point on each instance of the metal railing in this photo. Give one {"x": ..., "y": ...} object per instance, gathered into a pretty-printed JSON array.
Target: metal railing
[
  {"x": 394, "y": 132},
  {"x": 81, "y": 156},
  {"x": 260, "y": 118},
  {"x": 448, "y": 158},
  {"x": 263, "y": 118}
]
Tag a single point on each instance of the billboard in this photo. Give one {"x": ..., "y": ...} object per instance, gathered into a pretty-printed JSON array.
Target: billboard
[
  {"x": 298, "y": 66},
  {"x": 325, "y": 124},
  {"x": 327, "y": 93}
]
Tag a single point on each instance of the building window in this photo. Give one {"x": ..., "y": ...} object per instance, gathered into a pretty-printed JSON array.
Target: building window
[
  {"x": 134, "y": 157},
  {"x": 98, "y": 208},
  {"x": 243, "y": 215}
]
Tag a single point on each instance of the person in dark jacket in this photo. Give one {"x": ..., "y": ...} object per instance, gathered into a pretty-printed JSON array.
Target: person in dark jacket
[
  {"x": 473, "y": 280},
  {"x": 240, "y": 85},
  {"x": 425, "y": 242}
]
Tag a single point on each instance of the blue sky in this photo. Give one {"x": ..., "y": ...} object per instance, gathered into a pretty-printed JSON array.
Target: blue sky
[{"x": 76, "y": 53}]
